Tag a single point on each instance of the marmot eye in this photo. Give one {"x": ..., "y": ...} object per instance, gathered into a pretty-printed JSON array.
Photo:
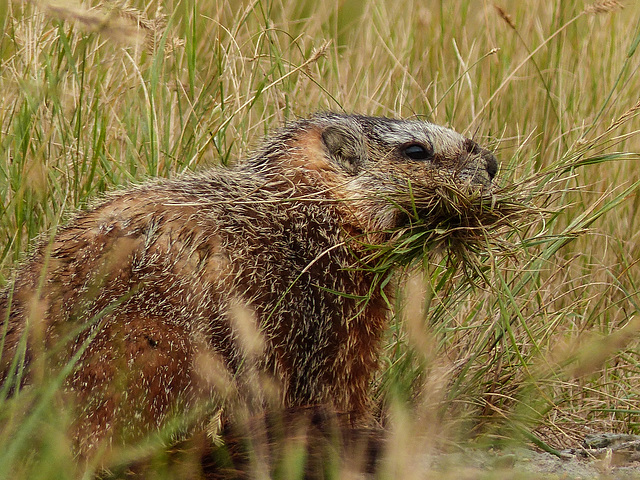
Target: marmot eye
[{"x": 415, "y": 151}]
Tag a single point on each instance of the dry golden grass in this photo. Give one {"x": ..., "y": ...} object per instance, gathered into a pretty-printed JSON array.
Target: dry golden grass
[{"x": 544, "y": 349}]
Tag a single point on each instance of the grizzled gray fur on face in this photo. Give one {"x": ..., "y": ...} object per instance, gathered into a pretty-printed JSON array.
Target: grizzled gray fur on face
[{"x": 176, "y": 292}]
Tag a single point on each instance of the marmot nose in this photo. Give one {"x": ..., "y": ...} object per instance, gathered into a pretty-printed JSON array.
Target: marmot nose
[
  {"x": 491, "y": 163},
  {"x": 490, "y": 160}
]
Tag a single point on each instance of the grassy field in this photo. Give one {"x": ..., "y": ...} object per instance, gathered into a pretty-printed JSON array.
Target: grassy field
[{"x": 545, "y": 351}]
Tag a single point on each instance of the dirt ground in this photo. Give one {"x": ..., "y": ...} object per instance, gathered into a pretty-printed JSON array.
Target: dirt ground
[{"x": 619, "y": 461}]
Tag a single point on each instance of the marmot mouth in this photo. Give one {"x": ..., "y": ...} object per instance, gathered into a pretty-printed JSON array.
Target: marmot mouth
[{"x": 466, "y": 223}]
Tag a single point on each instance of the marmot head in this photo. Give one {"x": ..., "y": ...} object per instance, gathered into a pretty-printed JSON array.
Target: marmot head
[{"x": 381, "y": 168}]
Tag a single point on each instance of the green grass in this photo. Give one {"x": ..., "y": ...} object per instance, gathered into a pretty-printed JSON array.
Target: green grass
[{"x": 546, "y": 350}]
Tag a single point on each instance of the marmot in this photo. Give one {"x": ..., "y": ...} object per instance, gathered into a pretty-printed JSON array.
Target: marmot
[{"x": 141, "y": 293}]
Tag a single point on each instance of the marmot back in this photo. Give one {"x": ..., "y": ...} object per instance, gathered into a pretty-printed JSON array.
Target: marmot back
[{"x": 176, "y": 291}]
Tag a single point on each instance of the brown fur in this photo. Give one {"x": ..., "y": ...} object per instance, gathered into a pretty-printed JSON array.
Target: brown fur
[{"x": 157, "y": 288}]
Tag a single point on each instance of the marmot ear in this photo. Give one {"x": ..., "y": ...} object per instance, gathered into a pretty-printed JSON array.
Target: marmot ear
[{"x": 346, "y": 147}]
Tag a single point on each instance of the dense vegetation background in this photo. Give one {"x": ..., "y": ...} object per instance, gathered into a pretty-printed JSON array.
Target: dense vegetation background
[{"x": 95, "y": 96}]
